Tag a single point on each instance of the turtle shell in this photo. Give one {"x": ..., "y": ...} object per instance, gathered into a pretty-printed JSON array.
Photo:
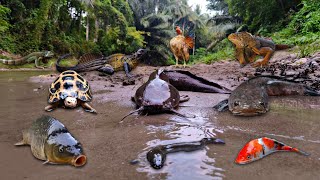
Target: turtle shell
[{"x": 69, "y": 84}]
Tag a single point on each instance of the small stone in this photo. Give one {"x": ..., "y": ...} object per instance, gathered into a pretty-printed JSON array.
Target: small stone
[{"x": 128, "y": 82}]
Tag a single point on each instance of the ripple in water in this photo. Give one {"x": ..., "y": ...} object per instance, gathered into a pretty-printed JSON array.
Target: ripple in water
[{"x": 182, "y": 165}]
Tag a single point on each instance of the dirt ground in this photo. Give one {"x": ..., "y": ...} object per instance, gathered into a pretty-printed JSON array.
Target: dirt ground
[{"x": 111, "y": 146}]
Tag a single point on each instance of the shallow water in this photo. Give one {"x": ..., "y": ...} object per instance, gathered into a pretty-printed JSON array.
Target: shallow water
[{"x": 110, "y": 146}]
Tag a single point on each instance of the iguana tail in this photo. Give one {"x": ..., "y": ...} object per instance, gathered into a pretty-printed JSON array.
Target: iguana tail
[
  {"x": 282, "y": 46},
  {"x": 87, "y": 62},
  {"x": 13, "y": 62}
]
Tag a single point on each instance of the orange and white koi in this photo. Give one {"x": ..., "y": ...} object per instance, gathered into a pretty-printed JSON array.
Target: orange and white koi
[{"x": 259, "y": 148}]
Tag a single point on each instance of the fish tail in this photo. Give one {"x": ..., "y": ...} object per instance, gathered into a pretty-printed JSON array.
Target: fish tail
[
  {"x": 289, "y": 148},
  {"x": 301, "y": 152}
]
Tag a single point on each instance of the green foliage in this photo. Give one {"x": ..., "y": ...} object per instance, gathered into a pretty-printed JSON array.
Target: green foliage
[
  {"x": 259, "y": 14},
  {"x": 224, "y": 50},
  {"x": 303, "y": 30},
  {"x": 4, "y": 24},
  {"x": 111, "y": 41},
  {"x": 61, "y": 26}
]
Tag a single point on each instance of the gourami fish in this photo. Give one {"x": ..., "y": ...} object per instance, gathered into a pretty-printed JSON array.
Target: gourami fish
[
  {"x": 51, "y": 141},
  {"x": 259, "y": 148}
]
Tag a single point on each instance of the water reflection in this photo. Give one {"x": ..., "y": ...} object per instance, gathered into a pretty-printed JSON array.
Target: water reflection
[{"x": 193, "y": 165}]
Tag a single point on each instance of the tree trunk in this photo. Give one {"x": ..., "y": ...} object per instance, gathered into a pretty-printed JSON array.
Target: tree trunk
[
  {"x": 214, "y": 43},
  {"x": 96, "y": 31},
  {"x": 87, "y": 29}
]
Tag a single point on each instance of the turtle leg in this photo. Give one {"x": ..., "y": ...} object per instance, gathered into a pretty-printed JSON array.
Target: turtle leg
[
  {"x": 51, "y": 107},
  {"x": 184, "y": 98},
  {"x": 127, "y": 69},
  {"x": 87, "y": 107}
]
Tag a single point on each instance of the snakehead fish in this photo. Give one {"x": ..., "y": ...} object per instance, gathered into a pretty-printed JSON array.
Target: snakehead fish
[
  {"x": 157, "y": 155},
  {"x": 251, "y": 97}
]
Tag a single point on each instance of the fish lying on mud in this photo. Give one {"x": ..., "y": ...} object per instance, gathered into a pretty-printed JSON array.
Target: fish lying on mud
[
  {"x": 259, "y": 148},
  {"x": 186, "y": 81},
  {"x": 251, "y": 97},
  {"x": 157, "y": 95},
  {"x": 51, "y": 141},
  {"x": 157, "y": 155}
]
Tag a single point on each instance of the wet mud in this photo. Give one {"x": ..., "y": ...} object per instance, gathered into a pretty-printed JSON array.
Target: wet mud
[{"x": 110, "y": 146}]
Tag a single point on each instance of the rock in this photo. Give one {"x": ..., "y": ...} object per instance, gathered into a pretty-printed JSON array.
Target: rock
[
  {"x": 300, "y": 61},
  {"x": 128, "y": 82}
]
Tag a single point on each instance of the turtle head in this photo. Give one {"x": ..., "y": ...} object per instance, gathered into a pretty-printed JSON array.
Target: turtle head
[{"x": 70, "y": 102}]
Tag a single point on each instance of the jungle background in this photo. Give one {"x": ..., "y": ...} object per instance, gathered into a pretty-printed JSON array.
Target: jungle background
[{"x": 114, "y": 26}]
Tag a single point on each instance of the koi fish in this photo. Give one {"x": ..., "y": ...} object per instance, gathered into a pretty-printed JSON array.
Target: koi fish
[{"x": 259, "y": 148}]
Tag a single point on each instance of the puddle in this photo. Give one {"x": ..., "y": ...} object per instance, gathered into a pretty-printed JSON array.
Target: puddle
[
  {"x": 110, "y": 146},
  {"x": 194, "y": 165}
]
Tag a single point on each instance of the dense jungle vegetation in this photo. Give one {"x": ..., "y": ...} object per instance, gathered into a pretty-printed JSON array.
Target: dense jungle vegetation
[{"x": 113, "y": 26}]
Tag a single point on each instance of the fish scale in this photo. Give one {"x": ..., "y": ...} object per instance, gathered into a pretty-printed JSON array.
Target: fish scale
[
  {"x": 51, "y": 141},
  {"x": 261, "y": 147}
]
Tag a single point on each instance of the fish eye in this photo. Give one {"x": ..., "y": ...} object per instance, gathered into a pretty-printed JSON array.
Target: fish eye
[
  {"x": 248, "y": 157},
  {"x": 236, "y": 103},
  {"x": 61, "y": 149},
  {"x": 261, "y": 103}
]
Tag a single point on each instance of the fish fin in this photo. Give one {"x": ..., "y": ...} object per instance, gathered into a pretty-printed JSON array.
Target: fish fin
[
  {"x": 140, "y": 109},
  {"x": 20, "y": 143},
  {"x": 46, "y": 162},
  {"x": 222, "y": 106}
]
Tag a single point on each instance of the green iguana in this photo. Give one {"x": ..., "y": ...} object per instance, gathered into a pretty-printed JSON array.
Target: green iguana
[
  {"x": 32, "y": 57},
  {"x": 249, "y": 46},
  {"x": 108, "y": 65}
]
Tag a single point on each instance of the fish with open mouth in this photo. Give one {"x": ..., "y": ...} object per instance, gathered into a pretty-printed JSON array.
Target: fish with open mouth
[
  {"x": 251, "y": 97},
  {"x": 51, "y": 141},
  {"x": 259, "y": 148}
]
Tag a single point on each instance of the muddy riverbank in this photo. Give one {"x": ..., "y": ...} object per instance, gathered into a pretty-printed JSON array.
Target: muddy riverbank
[{"x": 111, "y": 146}]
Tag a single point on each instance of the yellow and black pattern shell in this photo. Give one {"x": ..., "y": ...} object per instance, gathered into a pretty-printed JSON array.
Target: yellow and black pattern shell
[{"x": 69, "y": 84}]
